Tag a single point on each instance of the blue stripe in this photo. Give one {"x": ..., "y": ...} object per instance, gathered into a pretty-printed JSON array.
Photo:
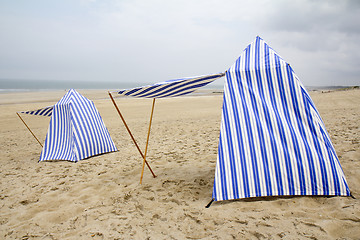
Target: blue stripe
[
  {"x": 310, "y": 159},
  {"x": 129, "y": 93},
  {"x": 80, "y": 125},
  {"x": 161, "y": 90},
  {"x": 231, "y": 146},
  {"x": 167, "y": 89},
  {"x": 275, "y": 150},
  {"x": 83, "y": 117},
  {"x": 97, "y": 135},
  {"x": 282, "y": 137},
  {"x": 102, "y": 131},
  {"x": 171, "y": 88},
  {"x": 57, "y": 135},
  {"x": 285, "y": 109},
  {"x": 249, "y": 129},
  {"x": 265, "y": 157},
  {"x": 52, "y": 139},
  {"x": 315, "y": 138},
  {"x": 239, "y": 135},
  {"x": 96, "y": 129},
  {"x": 222, "y": 172},
  {"x": 332, "y": 163},
  {"x": 47, "y": 111},
  {"x": 299, "y": 120},
  {"x": 184, "y": 91}
]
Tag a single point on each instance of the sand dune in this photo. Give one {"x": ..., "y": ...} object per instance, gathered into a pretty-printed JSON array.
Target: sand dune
[{"x": 101, "y": 198}]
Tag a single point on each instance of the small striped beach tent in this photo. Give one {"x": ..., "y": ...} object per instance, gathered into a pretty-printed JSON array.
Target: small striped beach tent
[
  {"x": 76, "y": 130},
  {"x": 272, "y": 139},
  {"x": 166, "y": 89}
]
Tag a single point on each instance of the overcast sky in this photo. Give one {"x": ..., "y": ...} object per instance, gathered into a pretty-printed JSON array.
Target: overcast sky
[{"x": 152, "y": 41}]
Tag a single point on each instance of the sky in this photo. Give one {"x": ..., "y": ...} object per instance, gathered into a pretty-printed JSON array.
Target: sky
[{"x": 157, "y": 40}]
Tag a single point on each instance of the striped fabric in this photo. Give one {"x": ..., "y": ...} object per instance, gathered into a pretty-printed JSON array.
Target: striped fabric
[
  {"x": 76, "y": 130},
  {"x": 171, "y": 88},
  {"x": 272, "y": 139},
  {"x": 47, "y": 111}
]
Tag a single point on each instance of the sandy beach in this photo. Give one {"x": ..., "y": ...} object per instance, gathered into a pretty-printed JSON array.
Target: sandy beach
[{"x": 101, "y": 197}]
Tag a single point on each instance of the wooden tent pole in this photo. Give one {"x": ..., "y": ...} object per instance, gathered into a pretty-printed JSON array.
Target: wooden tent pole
[
  {"x": 147, "y": 140},
  {"x": 29, "y": 129},
  {"x": 132, "y": 137}
]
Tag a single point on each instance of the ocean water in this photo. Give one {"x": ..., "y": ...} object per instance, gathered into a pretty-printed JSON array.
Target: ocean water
[
  {"x": 40, "y": 85},
  {"x": 7, "y": 85}
]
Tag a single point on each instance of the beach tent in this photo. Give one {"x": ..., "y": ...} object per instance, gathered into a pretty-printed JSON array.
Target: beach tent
[
  {"x": 76, "y": 129},
  {"x": 170, "y": 88},
  {"x": 272, "y": 139}
]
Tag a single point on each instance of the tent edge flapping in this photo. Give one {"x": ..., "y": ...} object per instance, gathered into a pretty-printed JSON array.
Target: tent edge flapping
[{"x": 170, "y": 88}]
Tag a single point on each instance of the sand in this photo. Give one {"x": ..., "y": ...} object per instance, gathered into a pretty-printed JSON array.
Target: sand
[{"x": 101, "y": 198}]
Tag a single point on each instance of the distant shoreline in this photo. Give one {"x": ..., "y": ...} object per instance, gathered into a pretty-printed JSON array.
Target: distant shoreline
[
  {"x": 330, "y": 88},
  {"x": 211, "y": 89},
  {"x": 42, "y": 85},
  {"x": 53, "y": 95},
  {"x": 17, "y": 85}
]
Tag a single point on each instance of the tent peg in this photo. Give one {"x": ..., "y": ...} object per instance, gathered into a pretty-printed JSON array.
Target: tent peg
[{"x": 209, "y": 204}]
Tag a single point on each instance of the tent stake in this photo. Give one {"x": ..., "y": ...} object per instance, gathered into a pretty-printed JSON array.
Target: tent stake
[
  {"x": 147, "y": 140},
  {"x": 207, "y": 206},
  {"x": 132, "y": 137},
  {"x": 29, "y": 129}
]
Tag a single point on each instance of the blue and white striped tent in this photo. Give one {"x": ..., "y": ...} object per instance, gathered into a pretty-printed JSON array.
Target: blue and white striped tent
[
  {"x": 171, "y": 88},
  {"x": 76, "y": 129},
  {"x": 272, "y": 139}
]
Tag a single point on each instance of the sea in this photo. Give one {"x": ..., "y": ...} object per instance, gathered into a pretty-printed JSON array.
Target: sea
[{"x": 17, "y": 85}]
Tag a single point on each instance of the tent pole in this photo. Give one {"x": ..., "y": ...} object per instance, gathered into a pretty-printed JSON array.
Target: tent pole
[
  {"x": 147, "y": 140},
  {"x": 29, "y": 130},
  {"x": 132, "y": 137}
]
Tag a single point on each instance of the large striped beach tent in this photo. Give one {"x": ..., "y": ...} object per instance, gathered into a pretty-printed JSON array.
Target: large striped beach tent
[
  {"x": 76, "y": 130},
  {"x": 166, "y": 89},
  {"x": 273, "y": 141}
]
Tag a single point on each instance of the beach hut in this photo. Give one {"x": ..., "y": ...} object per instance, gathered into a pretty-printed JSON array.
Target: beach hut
[
  {"x": 273, "y": 141},
  {"x": 170, "y": 88},
  {"x": 76, "y": 130}
]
